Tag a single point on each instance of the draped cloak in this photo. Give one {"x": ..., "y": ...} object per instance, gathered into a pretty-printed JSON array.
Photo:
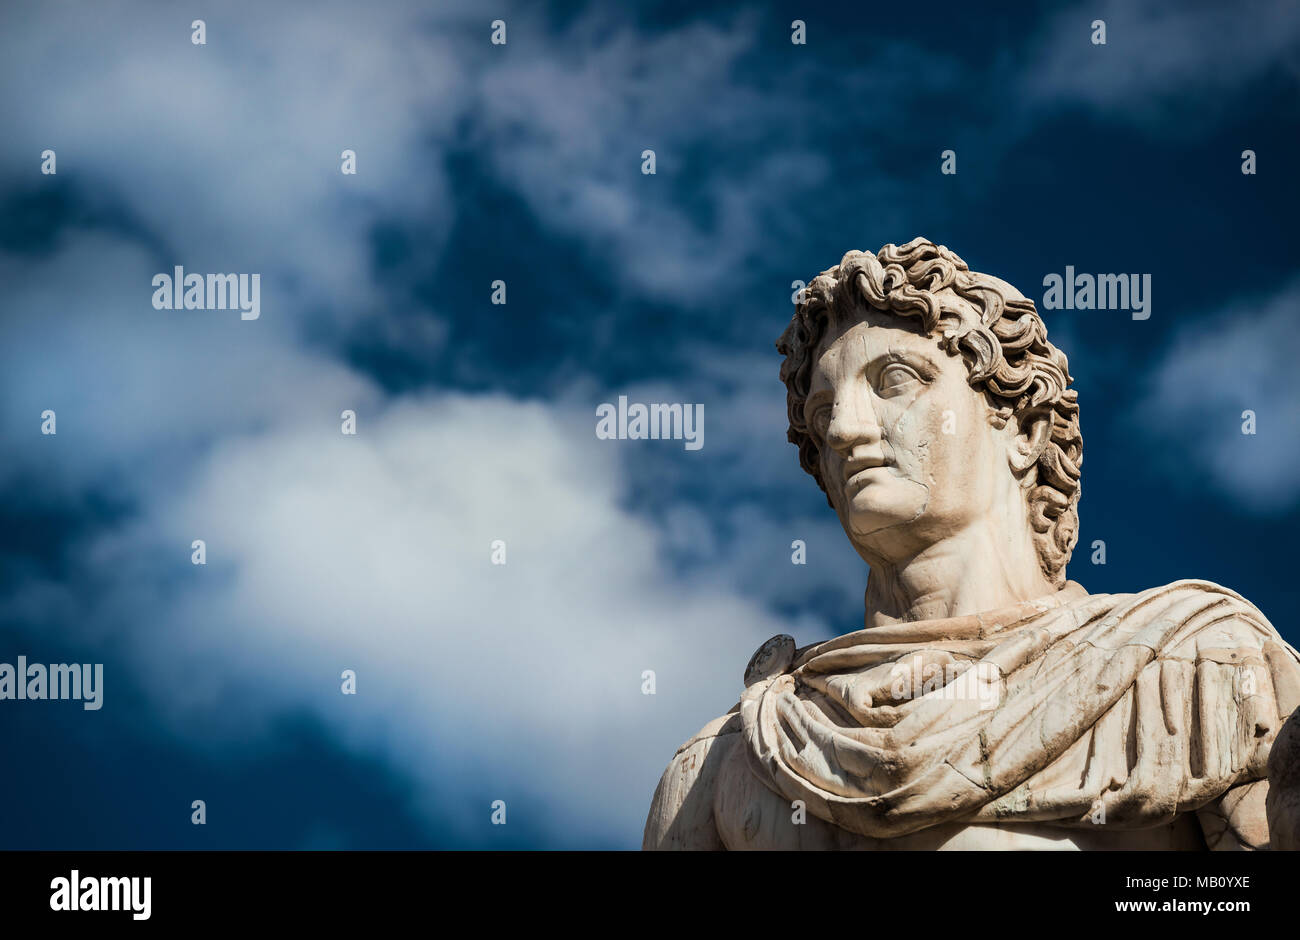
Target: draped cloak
[{"x": 1127, "y": 709}]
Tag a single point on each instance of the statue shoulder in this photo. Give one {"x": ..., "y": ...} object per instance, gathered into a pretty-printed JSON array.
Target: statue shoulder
[
  {"x": 1236, "y": 622},
  {"x": 681, "y": 813}
]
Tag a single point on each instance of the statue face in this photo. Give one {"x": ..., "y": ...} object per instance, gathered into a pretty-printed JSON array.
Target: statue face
[{"x": 908, "y": 455}]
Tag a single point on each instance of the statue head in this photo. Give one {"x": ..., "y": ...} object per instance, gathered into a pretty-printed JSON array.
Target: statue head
[{"x": 925, "y": 398}]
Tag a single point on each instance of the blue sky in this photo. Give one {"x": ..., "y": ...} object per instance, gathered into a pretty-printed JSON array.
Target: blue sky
[{"x": 522, "y": 162}]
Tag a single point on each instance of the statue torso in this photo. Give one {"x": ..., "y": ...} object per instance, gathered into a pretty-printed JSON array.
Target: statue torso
[
  {"x": 749, "y": 816},
  {"x": 1121, "y": 722}
]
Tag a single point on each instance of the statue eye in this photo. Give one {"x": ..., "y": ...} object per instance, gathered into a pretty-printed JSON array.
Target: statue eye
[{"x": 895, "y": 378}]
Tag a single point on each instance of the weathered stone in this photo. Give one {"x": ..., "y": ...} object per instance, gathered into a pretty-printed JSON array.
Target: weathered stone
[{"x": 989, "y": 702}]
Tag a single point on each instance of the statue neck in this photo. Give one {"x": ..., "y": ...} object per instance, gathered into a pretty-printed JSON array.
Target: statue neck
[{"x": 972, "y": 571}]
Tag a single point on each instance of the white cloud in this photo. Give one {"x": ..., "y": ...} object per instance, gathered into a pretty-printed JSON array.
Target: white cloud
[
  {"x": 566, "y": 125},
  {"x": 1242, "y": 358},
  {"x": 1157, "y": 50},
  {"x": 229, "y": 153},
  {"x": 140, "y": 392},
  {"x": 372, "y": 552}
]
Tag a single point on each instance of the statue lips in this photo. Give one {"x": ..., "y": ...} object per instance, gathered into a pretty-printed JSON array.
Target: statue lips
[{"x": 857, "y": 472}]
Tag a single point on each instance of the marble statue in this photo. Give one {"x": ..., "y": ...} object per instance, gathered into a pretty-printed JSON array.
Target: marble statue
[{"x": 989, "y": 702}]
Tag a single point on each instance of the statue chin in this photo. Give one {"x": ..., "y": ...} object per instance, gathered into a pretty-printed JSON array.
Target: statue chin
[
  {"x": 989, "y": 703},
  {"x": 887, "y": 506}
]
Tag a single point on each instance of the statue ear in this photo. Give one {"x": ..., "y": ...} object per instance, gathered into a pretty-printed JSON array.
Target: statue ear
[{"x": 1033, "y": 431}]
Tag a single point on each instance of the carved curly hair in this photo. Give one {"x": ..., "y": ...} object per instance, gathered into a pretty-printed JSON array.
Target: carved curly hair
[{"x": 1004, "y": 343}]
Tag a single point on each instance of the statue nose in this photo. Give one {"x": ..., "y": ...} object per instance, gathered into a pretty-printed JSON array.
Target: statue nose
[{"x": 853, "y": 422}]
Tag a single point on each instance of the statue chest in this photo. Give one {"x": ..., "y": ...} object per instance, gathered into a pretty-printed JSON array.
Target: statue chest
[{"x": 750, "y": 816}]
